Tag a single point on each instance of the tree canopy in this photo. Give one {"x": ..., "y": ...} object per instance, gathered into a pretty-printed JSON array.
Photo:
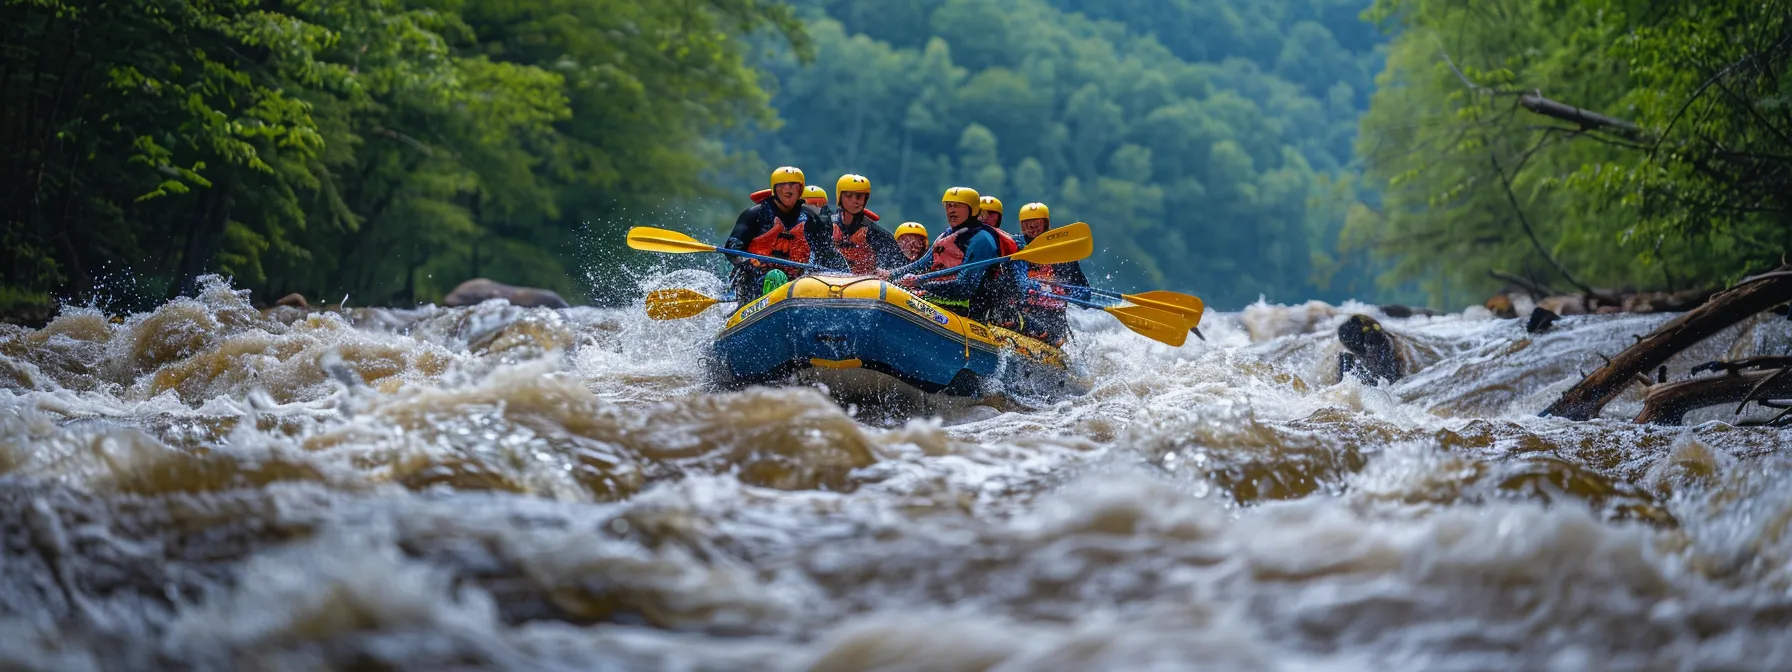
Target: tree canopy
[
  {"x": 1683, "y": 184},
  {"x": 1207, "y": 142},
  {"x": 384, "y": 149}
]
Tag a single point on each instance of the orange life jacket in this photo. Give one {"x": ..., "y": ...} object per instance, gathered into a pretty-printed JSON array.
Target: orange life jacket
[
  {"x": 949, "y": 248},
  {"x": 1005, "y": 241},
  {"x": 783, "y": 242},
  {"x": 856, "y": 249}
]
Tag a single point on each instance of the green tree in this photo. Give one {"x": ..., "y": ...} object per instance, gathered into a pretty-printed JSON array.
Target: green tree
[
  {"x": 1682, "y": 192},
  {"x": 1116, "y": 122}
]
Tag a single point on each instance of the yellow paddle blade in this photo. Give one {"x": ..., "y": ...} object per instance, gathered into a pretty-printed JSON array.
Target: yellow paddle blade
[
  {"x": 677, "y": 304},
  {"x": 649, "y": 239},
  {"x": 1189, "y": 307},
  {"x": 1158, "y": 325},
  {"x": 1057, "y": 246}
]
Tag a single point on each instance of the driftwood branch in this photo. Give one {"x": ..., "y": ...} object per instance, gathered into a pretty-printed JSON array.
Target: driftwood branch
[
  {"x": 1668, "y": 404},
  {"x": 1513, "y": 198},
  {"x": 1592, "y": 393},
  {"x": 1537, "y": 290},
  {"x": 1583, "y": 118}
]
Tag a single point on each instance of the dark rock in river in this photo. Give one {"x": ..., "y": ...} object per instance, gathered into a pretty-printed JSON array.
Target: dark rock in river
[
  {"x": 1372, "y": 356},
  {"x": 295, "y": 300},
  {"x": 1397, "y": 310},
  {"x": 1541, "y": 318},
  {"x": 478, "y": 290},
  {"x": 1502, "y": 307}
]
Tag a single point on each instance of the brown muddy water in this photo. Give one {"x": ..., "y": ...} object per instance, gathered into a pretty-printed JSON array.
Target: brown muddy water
[{"x": 209, "y": 487}]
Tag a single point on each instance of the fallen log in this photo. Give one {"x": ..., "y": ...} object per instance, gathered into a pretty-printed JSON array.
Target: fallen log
[
  {"x": 1751, "y": 296},
  {"x": 1668, "y": 404}
]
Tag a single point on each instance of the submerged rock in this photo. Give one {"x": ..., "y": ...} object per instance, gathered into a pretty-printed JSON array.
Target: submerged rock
[
  {"x": 295, "y": 300},
  {"x": 478, "y": 290}
]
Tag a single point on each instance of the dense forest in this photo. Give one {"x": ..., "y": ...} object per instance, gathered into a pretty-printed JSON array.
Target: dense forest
[
  {"x": 1207, "y": 142},
  {"x": 380, "y": 149},
  {"x": 388, "y": 149},
  {"x": 1592, "y": 145},
  {"x": 385, "y": 150}
]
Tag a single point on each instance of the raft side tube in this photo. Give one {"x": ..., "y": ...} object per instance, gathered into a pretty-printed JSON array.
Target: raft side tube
[{"x": 843, "y": 322}]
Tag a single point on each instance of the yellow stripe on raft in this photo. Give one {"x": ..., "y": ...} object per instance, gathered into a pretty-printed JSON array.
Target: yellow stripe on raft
[{"x": 820, "y": 363}]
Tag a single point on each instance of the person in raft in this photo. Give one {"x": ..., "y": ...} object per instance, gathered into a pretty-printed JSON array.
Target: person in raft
[
  {"x": 913, "y": 239},
  {"x": 815, "y": 196},
  {"x": 863, "y": 245},
  {"x": 990, "y": 212},
  {"x": 1042, "y": 312},
  {"x": 781, "y": 226},
  {"x": 986, "y": 294}
]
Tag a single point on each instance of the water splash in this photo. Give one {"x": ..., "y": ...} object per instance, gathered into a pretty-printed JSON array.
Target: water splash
[{"x": 206, "y": 485}]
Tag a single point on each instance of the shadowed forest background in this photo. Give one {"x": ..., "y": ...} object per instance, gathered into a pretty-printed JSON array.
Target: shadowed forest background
[{"x": 1391, "y": 151}]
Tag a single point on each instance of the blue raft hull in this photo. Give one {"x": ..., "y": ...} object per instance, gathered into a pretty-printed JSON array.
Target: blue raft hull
[{"x": 817, "y": 323}]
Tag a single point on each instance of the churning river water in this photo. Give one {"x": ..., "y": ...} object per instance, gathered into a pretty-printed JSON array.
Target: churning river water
[{"x": 208, "y": 486}]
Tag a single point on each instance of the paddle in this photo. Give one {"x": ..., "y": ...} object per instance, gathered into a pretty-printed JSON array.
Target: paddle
[
  {"x": 1057, "y": 246},
  {"x": 649, "y": 239},
  {"x": 677, "y": 304},
  {"x": 1188, "y": 306},
  {"x": 1158, "y": 325}
]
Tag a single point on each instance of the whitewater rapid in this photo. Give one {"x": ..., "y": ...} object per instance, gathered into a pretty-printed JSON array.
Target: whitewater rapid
[{"x": 212, "y": 486}]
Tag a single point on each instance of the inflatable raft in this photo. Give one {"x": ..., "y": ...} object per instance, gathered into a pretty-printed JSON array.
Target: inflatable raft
[{"x": 858, "y": 330}]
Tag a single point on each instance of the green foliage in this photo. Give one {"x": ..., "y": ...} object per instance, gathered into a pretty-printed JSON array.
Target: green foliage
[
  {"x": 1198, "y": 137},
  {"x": 385, "y": 149},
  {"x": 1694, "y": 197}
]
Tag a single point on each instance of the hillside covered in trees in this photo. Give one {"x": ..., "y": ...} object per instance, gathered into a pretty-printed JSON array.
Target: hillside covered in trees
[
  {"x": 1208, "y": 142},
  {"x": 388, "y": 149},
  {"x": 379, "y": 149},
  {"x": 1603, "y": 145}
]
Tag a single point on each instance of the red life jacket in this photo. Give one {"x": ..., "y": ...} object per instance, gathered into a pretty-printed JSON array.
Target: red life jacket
[
  {"x": 856, "y": 249},
  {"x": 949, "y": 248},
  {"x": 783, "y": 242},
  {"x": 1005, "y": 242}
]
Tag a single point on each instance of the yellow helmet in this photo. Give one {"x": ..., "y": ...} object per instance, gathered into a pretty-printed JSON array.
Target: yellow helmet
[
  {"x": 1034, "y": 211},
  {"x": 911, "y": 227},
  {"x": 855, "y": 183},
  {"x": 991, "y": 204},
  {"x": 814, "y": 191},
  {"x": 965, "y": 195},
  {"x": 788, "y": 174}
]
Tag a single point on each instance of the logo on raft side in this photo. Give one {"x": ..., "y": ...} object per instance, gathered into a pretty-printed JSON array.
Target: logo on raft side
[
  {"x": 756, "y": 306},
  {"x": 928, "y": 310}
]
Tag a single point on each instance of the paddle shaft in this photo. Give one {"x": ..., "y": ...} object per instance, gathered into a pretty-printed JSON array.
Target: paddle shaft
[
  {"x": 1075, "y": 301},
  {"x": 774, "y": 260},
  {"x": 1098, "y": 292},
  {"x": 961, "y": 267}
]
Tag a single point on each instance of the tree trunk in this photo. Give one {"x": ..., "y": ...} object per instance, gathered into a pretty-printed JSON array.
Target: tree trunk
[
  {"x": 1591, "y": 394},
  {"x": 1668, "y": 404},
  {"x": 202, "y": 244}
]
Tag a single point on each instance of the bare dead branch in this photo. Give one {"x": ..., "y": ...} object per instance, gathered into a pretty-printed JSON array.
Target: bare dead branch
[
  {"x": 1538, "y": 245},
  {"x": 1583, "y": 118},
  {"x": 1592, "y": 393}
]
